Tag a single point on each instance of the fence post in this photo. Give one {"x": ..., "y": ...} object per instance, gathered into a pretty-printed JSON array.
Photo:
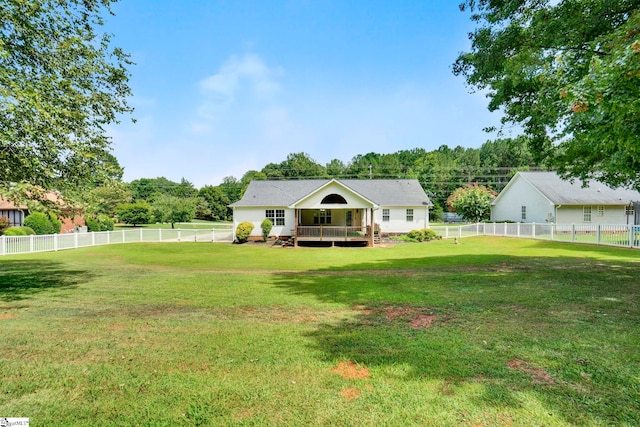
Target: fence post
[
  {"x": 123, "y": 237},
  {"x": 108, "y": 237},
  {"x": 573, "y": 232},
  {"x": 3, "y": 240},
  {"x": 55, "y": 242},
  {"x": 630, "y": 235},
  {"x": 460, "y": 231},
  {"x": 179, "y": 235},
  {"x": 141, "y": 234},
  {"x": 553, "y": 228},
  {"x": 518, "y": 229},
  {"x": 598, "y": 234},
  {"x": 93, "y": 238},
  {"x": 75, "y": 240},
  {"x": 195, "y": 235},
  {"x": 160, "y": 234},
  {"x": 533, "y": 230},
  {"x": 213, "y": 235}
]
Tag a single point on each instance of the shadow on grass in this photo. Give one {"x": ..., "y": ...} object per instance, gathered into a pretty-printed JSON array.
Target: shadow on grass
[
  {"x": 20, "y": 280},
  {"x": 512, "y": 324}
]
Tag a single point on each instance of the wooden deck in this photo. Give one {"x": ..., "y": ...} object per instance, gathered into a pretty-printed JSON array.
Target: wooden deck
[{"x": 332, "y": 233}]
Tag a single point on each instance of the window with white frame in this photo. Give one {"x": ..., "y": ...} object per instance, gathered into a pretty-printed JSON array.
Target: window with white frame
[
  {"x": 385, "y": 215},
  {"x": 586, "y": 213},
  {"x": 523, "y": 213},
  {"x": 276, "y": 216},
  {"x": 409, "y": 215},
  {"x": 322, "y": 216},
  {"x": 600, "y": 211}
]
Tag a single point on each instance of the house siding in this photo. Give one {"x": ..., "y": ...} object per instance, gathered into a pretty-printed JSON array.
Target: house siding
[
  {"x": 398, "y": 219},
  {"x": 521, "y": 193},
  {"x": 250, "y": 215},
  {"x": 575, "y": 215}
]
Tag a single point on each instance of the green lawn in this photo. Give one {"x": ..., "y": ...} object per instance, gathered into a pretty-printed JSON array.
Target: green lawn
[{"x": 492, "y": 331}]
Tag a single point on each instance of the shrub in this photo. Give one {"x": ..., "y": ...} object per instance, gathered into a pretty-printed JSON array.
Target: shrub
[
  {"x": 243, "y": 231},
  {"x": 422, "y": 235},
  {"x": 19, "y": 231},
  {"x": 4, "y": 224},
  {"x": 100, "y": 222},
  {"x": 266, "y": 226},
  {"x": 55, "y": 222},
  {"x": 40, "y": 223}
]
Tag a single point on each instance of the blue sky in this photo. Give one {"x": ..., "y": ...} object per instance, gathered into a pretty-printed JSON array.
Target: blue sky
[{"x": 224, "y": 86}]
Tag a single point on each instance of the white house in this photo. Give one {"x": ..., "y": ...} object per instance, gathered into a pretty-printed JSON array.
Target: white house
[
  {"x": 545, "y": 197},
  {"x": 334, "y": 210}
]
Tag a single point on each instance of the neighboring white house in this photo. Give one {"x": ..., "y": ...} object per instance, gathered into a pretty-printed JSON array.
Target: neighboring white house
[
  {"x": 545, "y": 197},
  {"x": 334, "y": 210}
]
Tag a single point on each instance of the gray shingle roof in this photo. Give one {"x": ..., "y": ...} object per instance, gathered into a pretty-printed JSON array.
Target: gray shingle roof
[
  {"x": 564, "y": 192},
  {"x": 383, "y": 192}
]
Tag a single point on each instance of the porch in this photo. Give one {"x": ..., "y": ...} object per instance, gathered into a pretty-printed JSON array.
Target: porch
[{"x": 333, "y": 233}]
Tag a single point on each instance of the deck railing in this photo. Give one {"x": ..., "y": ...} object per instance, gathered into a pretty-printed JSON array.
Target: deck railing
[{"x": 331, "y": 232}]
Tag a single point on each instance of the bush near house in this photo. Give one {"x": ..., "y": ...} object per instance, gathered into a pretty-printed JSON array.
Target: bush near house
[
  {"x": 4, "y": 224},
  {"x": 18, "y": 231},
  {"x": 266, "y": 226},
  {"x": 422, "y": 235},
  {"x": 40, "y": 223},
  {"x": 243, "y": 231}
]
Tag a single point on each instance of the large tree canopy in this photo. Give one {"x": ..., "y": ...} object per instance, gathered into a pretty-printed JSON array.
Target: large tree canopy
[
  {"x": 568, "y": 72},
  {"x": 61, "y": 84}
]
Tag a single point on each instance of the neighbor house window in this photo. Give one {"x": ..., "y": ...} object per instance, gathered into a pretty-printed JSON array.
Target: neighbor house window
[
  {"x": 323, "y": 216},
  {"x": 385, "y": 215},
  {"x": 600, "y": 211},
  {"x": 409, "y": 215},
  {"x": 276, "y": 216},
  {"x": 586, "y": 213},
  {"x": 524, "y": 213}
]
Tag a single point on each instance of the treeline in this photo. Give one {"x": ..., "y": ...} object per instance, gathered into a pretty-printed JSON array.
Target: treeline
[{"x": 440, "y": 173}]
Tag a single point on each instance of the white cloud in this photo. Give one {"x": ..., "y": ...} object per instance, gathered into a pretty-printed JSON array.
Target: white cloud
[{"x": 246, "y": 77}]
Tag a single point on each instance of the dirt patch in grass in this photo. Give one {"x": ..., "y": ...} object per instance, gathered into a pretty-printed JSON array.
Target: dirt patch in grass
[
  {"x": 538, "y": 376},
  {"x": 350, "y": 394},
  {"x": 5, "y": 316},
  {"x": 415, "y": 317},
  {"x": 350, "y": 370}
]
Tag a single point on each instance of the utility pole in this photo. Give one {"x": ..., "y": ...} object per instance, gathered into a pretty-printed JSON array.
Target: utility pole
[{"x": 370, "y": 171}]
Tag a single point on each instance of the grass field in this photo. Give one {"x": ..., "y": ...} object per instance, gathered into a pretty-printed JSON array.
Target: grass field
[{"x": 491, "y": 331}]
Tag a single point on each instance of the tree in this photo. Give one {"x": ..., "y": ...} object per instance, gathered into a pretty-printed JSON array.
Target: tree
[
  {"x": 106, "y": 198},
  {"x": 61, "y": 84},
  {"x": 174, "y": 209},
  {"x": 569, "y": 74},
  {"x": 134, "y": 213},
  {"x": 296, "y": 165},
  {"x": 473, "y": 202},
  {"x": 217, "y": 201}
]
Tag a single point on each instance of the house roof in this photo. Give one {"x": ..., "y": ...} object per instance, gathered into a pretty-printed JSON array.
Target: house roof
[
  {"x": 8, "y": 205},
  {"x": 383, "y": 192},
  {"x": 564, "y": 192}
]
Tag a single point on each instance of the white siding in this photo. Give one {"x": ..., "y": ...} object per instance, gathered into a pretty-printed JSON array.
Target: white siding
[
  {"x": 257, "y": 215},
  {"x": 398, "y": 219},
  {"x": 520, "y": 193},
  {"x": 575, "y": 215}
]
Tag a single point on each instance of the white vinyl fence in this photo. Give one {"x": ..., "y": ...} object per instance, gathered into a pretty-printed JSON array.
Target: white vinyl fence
[
  {"x": 10, "y": 245},
  {"x": 599, "y": 234}
]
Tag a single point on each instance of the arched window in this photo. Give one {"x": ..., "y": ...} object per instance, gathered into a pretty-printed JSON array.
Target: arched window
[{"x": 334, "y": 199}]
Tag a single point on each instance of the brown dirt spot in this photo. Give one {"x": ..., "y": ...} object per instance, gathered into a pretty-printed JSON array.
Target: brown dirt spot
[
  {"x": 422, "y": 321},
  {"x": 350, "y": 394},
  {"x": 4, "y": 316},
  {"x": 349, "y": 369},
  {"x": 539, "y": 376},
  {"x": 416, "y": 317}
]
